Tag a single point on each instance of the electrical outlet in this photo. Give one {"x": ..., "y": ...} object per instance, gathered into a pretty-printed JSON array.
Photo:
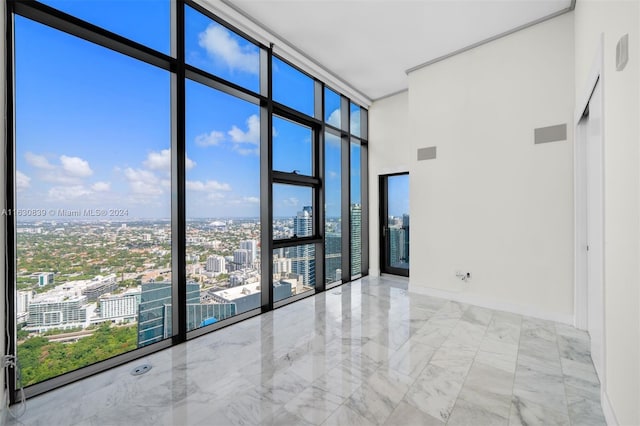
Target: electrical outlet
[{"x": 463, "y": 276}]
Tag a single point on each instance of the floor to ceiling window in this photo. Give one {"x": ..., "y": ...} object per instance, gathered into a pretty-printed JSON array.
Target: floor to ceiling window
[
  {"x": 93, "y": 144},
  {"x": 168, "y": 178}
]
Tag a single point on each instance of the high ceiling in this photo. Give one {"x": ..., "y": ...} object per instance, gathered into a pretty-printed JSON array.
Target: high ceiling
[{"x": 371, "y": 44}]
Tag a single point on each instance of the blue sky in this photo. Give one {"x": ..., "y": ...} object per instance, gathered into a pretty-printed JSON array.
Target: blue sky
[
  {"x": 93, "y": 126},
  {"x": 398, "y": 193}
]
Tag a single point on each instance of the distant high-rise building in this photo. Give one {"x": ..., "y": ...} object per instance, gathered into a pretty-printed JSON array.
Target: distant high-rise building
[
  {"x": 333, "y": 256},
  {"x": 247, "y": 297},
  {"x": 303, "y": 222},
  {"x": 356, "y": 239},
  {"x": 252, "y": 247},
  {"x": 23, "y": 298},
  {"x": 154, "y": 313},
  {"x": 99, "y": 286},
  {"x": 241, "y": 258},
  {"x": 120, "y": 307},
  {"x": 397, "y": 248},
  {"x": 45, "y": 279},
  {"x": 47, "y": 312},
  {"x": 303, "y": 256},
  {"x": 216, "y": 264},
  {"x": 281, "y": 265},
  {"x": 155, "y": 302}
]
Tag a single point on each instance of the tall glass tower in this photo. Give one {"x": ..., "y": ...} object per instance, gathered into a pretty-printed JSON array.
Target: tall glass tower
[
  {"x": 356, "y": 238},
  {"x": 303, "y": 262}
]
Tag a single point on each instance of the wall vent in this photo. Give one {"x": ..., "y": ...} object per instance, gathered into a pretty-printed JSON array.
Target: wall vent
[
  {"x": 550, "y": 134},
  {"x": 428, "y": 153}
]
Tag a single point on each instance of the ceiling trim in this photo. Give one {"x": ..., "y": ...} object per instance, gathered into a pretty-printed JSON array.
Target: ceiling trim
[
  {"x": 397, "y": 92},
  {"x": 248, "y": 24},
  {"x": 495, "y": 37}
]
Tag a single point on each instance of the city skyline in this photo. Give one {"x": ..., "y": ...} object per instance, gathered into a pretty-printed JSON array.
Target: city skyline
[{"x": 103, "y": 134}]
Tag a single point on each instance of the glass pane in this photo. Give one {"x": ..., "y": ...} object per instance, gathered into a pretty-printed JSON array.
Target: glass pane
[
  {"x": 93, "y": 155},
  {"x": 292, "y": 88},
  {"x": 294, "y": 271},
  {"x": 332, "y": 209},
  {"x": 292, "y": 211},
  {"x": 222, "y": 205},
  {"x": 398, "y": 220},
  {"x": 355, "y": 120},
  {"x": 143, "y": 21},
  {"x": 215, "y": 49},
  {"x": 332, "y": 112},
  {"x": 355, "y": 211},
  {"x": 292, "y": 147}
]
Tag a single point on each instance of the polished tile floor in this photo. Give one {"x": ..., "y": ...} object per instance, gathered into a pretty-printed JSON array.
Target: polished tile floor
[{"x": 361, "y": 354}]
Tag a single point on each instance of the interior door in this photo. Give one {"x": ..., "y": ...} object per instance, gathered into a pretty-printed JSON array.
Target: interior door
[
  {"x": 394, "y": 224},
  {"x": 595, "y": 227}
]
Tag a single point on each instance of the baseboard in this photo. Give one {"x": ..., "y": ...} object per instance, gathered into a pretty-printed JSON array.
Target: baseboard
[
  {"x": 497, "y": 305},
  {"x": 607, "y": 409},
  {"x": 4, "y": 417}
]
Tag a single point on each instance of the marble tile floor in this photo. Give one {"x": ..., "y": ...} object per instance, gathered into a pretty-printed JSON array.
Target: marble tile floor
[{"x": 366, "y": 353}]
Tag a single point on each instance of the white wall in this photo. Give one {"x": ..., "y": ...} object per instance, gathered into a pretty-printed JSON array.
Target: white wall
[
  {"x": 622, "y": 195},
  {"x": 493, "y": 203},
  {"x": 388, "y": 153},
  {"x": 2, "y": 197}
]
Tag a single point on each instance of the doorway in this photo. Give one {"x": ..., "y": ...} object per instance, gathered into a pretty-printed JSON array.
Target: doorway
[
  {"x": 394, "y": 224},
  {"x": 590, "y": 225}
]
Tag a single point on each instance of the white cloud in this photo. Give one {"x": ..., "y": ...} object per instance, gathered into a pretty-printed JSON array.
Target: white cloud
[
  {"x": 38, "y": 161},
  {"x": 208, "y": 186},
  {"x": 22, "y": 181},
  {"x": 70, "y": 171},
  {"x": 212, "y": 139},
  {"x": 101, "y": 187},
  {"x": 215, "y": 196},
  {"x": 252, "y": 135},
  {"x": 240, "y": 138},
  {"x": 75, "y": 166},
  {"x": 332, "y": 139},
  {"x": 220, "y": 45},
  {"x": 332, "y": 174},
  {"x": 252, "y": 200},
  {"x": 59, "y": 177},
  {"x": 143, "y": 182},
  {"x": 162, "y": 161},
  {"x": 334, "y": 118},
  {"x": 66, "y": 193},
  {"x": 355, "y": 124},
  {"x": 291, "y": 202},
  {"x": 247, "y": 151}
]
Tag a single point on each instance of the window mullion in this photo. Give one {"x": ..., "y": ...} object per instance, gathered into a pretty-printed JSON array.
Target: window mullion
[{"x": 178, "y": 179}]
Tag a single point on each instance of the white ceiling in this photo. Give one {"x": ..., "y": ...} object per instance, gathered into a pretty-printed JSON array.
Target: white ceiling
[{"x": 370, "y": 44}]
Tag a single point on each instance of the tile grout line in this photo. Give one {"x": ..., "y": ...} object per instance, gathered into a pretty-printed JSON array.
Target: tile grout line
[
  {"x": 472, "y": 362},
  {"x": 515, "y": 371},
  {"x": 564, "y": 382},
  {"x": 426, "y": 365},
  {"x": 423, "y": 368}
]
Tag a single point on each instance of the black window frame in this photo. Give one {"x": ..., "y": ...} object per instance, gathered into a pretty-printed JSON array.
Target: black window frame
[{"x": 180, "y": 71}]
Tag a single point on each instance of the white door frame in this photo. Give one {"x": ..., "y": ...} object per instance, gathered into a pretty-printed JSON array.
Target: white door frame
[{"x": 580, "y": 283}]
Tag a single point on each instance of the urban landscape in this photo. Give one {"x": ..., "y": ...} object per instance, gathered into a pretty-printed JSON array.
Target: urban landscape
[{"x": 88, "y": 290}]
